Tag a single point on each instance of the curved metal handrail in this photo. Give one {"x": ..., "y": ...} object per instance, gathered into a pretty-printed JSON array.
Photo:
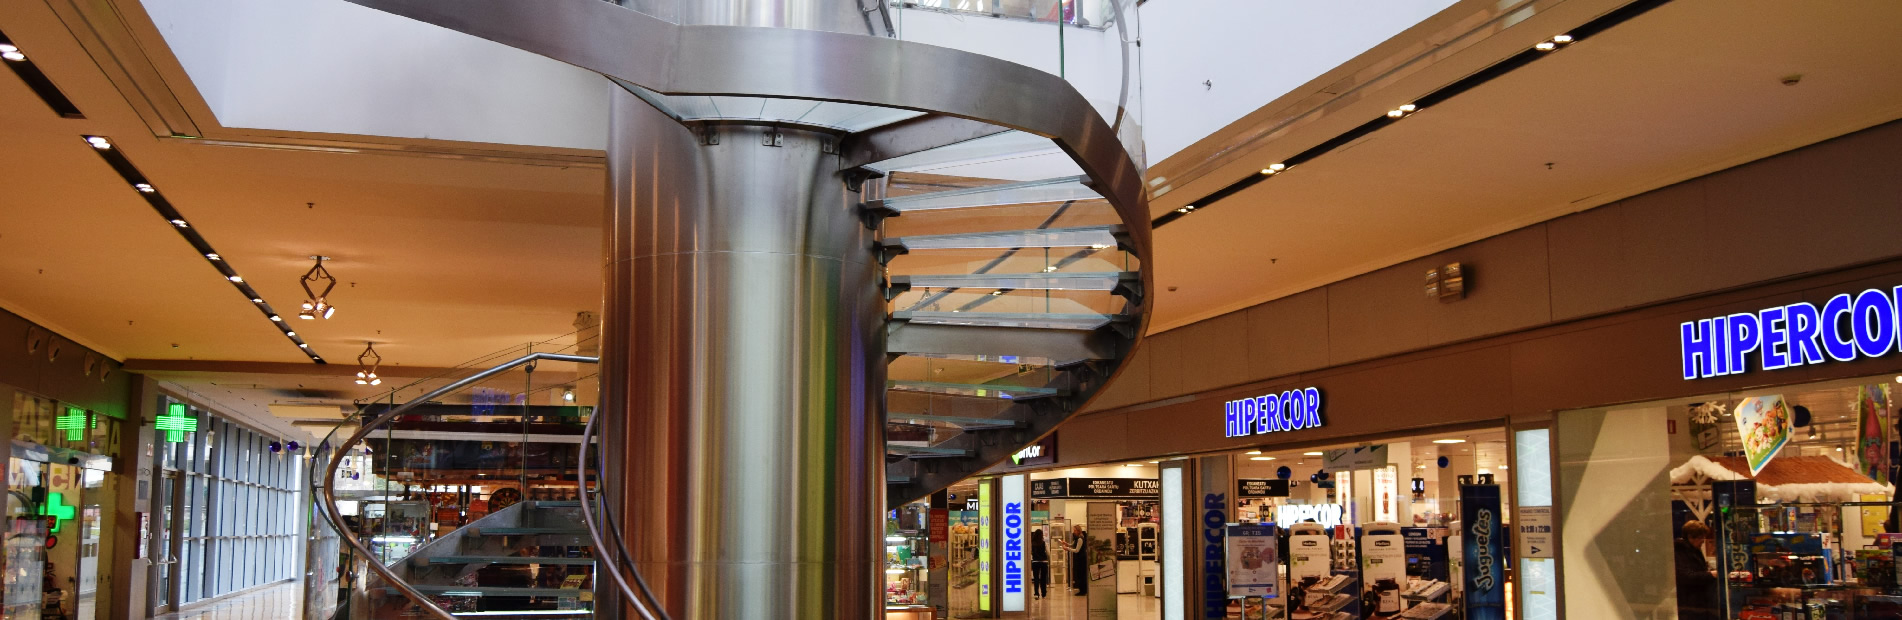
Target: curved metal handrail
[{"x": 335, "y": 515}]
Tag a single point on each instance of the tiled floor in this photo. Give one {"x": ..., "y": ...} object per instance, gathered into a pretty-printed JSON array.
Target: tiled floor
[{"x": 279, "y": 601}]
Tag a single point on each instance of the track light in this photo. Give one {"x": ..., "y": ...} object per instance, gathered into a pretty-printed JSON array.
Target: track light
[
  {"x": 10, "y": 52},
  {"x": 1402, "y": 111},
  {"x": 99, "y": 142},
  {"x": 1186, "y": 209},
  {"x": 144, "y": 188},
  {"x": 367, "y": 363},
  {"x": 1562, "y": 39},
  {"x": 213, "y": 256},
  {"x": 277, "y": 318},
  {"x": 257, "y": 300},
  {"x": 315, "y": 305},
  {"x": 181, "y": 223},
  {"x": 291, "y": 334},
  {"x": 239, "y": 279}
]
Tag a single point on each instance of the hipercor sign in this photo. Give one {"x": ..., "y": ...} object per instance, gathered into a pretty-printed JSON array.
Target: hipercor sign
[
  {"x": 1846, "y": 327},
  {"x": 1272, "y": 413}
]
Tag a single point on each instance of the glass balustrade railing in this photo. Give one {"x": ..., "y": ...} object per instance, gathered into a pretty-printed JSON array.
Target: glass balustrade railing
[{"x": 469, "y": 497}]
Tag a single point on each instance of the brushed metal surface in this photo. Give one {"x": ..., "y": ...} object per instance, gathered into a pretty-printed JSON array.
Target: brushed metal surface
[
  {"x": 828, "y": 15},
  {"x": 743, "y": 374}
]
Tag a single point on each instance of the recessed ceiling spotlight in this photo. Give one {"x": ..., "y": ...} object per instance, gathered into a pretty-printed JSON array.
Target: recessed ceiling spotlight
[
  {"x": 257, "y": 300},
  {"x": 291, "y": 334},
  {"x": 181, "y": 223},
  {"x": 1562, "y": 39},
  {"x": 1449, "y": 441},
  {"x": 144, "y": 188},
  {"x": 304, "y": 345},
  {"x": 1546, "y": 46},
  {"x": 13, "y": 55},
  {"x": 8, "y": 48},
  {"x": 236, "y": 278},
  {"x": 99, "y": 142},
  {"x": 215, "y": 256},
  {"x": 1402, "y": 111},
  {"x": 568, "y": 395},
  {"x": 277, "y": 318}
]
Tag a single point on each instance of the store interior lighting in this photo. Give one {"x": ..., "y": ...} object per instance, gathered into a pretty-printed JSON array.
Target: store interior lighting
[
  {"x": 367, "y": 363},
  {"x": 1449, "y": 441},
  {"x": 1261, "y": 458},
  {"x": 317, "y": 305}
]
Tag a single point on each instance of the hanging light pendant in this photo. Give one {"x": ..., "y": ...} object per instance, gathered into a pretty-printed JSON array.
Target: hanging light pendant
[
  {"x": 367, "y": 364},
  {"x": 316, "y": 305}
]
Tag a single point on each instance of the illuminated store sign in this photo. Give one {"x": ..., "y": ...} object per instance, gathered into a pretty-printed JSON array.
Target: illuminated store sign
[
  {"x": 1847, "y": 326},
  {"x": 1272, "y": 413},
  {"x": 1015, "y": 523},
  {"x": 175, "y": 422}
]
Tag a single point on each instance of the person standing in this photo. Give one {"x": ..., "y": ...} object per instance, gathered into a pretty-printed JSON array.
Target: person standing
[
  {"x": 1698, "y": 594},
  {"x": 1079, "y": 565},
  {"x": 1039, "y": 565}
]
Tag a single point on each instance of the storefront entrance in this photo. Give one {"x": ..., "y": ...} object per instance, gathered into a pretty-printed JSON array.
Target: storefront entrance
[{"x": 53, "y": 534}]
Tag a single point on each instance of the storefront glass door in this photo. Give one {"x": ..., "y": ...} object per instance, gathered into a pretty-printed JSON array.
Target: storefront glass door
[{"x": 26, "y": 542}]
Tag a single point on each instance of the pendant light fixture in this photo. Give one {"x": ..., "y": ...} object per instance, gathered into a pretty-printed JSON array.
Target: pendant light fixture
[
  {"x": 367, "y": 363},
  {"x": 315, "y": 304}
]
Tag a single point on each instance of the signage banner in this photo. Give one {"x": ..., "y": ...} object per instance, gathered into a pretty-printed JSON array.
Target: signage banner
[
  {"x": 1214, "y": 483},
  {"x": 1261, "y": 488},
  {"x": 1016, "y": 548},
  {"x": 1846, "y": 327},
  {"x": 1872, "y": 424},
  {"x": 1764, "y": 424},
  {"x": 1096, "y": 488},
  {"x": 1483, "y": 568},
  {"x": 1327, "y": 515},
  {"x": 984, "y": 544},
  {"x": 1102, "y": 560},
  {"x": 938, "y": 525},
  {"x": 1364, "y": 457},
  {"x": 1254, "y": 561},
  {"x": 1044, "y": 452},
  {"x": 1535, "y": 532},
  {"x": 1273, "y": 413}
]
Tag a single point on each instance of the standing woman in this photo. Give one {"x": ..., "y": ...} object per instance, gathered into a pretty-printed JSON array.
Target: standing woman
[
  {"x": 1039, "y": 564},
  {"x": 1079, "y": 565}
]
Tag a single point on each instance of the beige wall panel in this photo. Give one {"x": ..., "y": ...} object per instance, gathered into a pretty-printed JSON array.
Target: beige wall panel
[
  {"x": 1507, "y": 287},
  {"x": 1838, "y": 203},
  {"x": 1096, "y": 438},
  {"x": 1377, "y": 314},
  {"x": 1288, "y": 335},
  {"x": 1165, "y": 364},
  {"x": 1128, "y": 388},
  {"x": 1214, "y": 352},
  {"x": 1587, "y": 265}
]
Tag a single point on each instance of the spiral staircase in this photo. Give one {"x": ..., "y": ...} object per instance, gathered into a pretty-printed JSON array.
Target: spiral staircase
[{"x": 1015, "y": 243}]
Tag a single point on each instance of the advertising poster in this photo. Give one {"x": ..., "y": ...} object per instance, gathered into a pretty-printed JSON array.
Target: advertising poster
[
  {"x": 1016, "y": 542},
  {"x": 984, "y": 545},
  {"x": 1101, "y": 526},
  {"x": 1254, "y": 561},
  {"x": 1426, "y": 552},
  {"x": 1333, "y": 461},
  {"x": 1764, "y": 424},
  {"x": 1308, "y": 553},
  {"x": 1483, "y": 568},
  {"x": 1383, "y": 566},
  {"x": 1872, "y": 422}
]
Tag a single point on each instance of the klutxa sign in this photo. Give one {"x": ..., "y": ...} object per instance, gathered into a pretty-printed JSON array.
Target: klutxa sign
[
  {"x": 1272, "y": 413},
  {"x": 1846, "y": 327}
]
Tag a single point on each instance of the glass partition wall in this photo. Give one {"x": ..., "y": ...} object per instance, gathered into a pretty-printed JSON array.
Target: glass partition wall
[{"x": 228, "y": 505}]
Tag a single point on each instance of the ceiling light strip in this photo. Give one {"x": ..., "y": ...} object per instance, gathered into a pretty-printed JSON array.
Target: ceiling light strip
[
  {"x": 22, "y": 65},
  {"x": 1438, "y": 96},
  {"x": 155, "y": 196}
]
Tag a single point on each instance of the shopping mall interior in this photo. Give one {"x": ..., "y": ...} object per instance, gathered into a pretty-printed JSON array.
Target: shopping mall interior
[{"x": 951, "y": 309}]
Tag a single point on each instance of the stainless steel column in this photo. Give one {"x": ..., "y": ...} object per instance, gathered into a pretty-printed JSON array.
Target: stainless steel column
[{"x": 742, "y": 370}]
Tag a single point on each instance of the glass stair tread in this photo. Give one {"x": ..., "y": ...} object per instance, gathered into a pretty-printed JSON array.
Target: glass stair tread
[
  {"x": 529, "y": 531},
  {"x": 1057, "y": 189},
  {"x": 897, "y": 479},
  {"x": 1006, "y": 392},
  {"x": 926, "y": 451},
  {"x": 566, "y": 503},
  {"x": 1085, "y": 236},
  {"x": 1040, "y": 281},
  {"x": 1001, "y": 144},
  {"x": 526, "y": 560},
  {"x": 456, "y": 590},
  {"x": 1044, "y": 320},
  {"x": 958, "y": 421}
]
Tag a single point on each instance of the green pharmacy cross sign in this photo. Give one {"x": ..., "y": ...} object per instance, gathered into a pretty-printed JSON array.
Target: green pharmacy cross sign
[
  {"x": 175, "y": 422},
  {"x": 56, "y": 508},
  {"x": 73, "y": 422}
]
